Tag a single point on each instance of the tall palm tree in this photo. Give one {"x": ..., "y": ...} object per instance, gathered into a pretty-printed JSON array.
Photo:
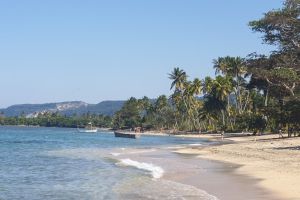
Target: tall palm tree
[
  {"x": 178, "y": 77},
  {"x": 196, "y": 86},
  {"x": 217, "y": 93},
  {"x": 222, "y": 87},
  {"x": 234, "y": 67},
  {"x": 192, "y": 89},
  {"x": 211, "y": 110},
  {"x": 207, "y": 85},
  {"x": 180, "y": 95},
  {"x": 184, "y": 96}
]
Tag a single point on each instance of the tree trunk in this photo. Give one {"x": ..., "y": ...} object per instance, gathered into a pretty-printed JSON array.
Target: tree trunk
[
  {"x": 228, "y": 102},
  {"x": 238, "y": 94},
  {"x": 246, "y": 101},
  {"x": 266, "y": 97},
  {"x": 223, "y": 117}
]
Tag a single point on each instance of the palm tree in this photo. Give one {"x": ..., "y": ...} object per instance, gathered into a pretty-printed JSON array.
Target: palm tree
[
  {"x": 179, "y": 97},
  {"x": 196, "y": 87},
  {"x": 235, "y": 68},
  {"x": 207, "y": 84},
  {"x": 192, "y": 89},
  {"x": 179, "y": 78},
  {"x": 222, "y": 91},
  {"x": 217, "y": 93},
  {"x": 211, "y": 110},
  {"x": 184, "y": 96},
  {"x": 222, "y": 87},
  {"x": 232, "y": 66}
]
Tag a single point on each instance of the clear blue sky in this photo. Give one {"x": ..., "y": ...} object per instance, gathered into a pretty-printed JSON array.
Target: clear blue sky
[{"x": 60, "y": 50}]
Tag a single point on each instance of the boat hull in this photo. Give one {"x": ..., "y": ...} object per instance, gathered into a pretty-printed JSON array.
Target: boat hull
[{"x": 126, "y": 135}]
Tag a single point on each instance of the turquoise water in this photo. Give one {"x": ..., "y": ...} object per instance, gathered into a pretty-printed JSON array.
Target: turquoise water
[{"x": 54, "y": 163}]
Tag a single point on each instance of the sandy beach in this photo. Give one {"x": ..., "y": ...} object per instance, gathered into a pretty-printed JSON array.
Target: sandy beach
[{"x": 274, "y": 162}]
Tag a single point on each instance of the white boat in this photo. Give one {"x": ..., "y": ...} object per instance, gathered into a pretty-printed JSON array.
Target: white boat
[{"x": 88, "y": 129}]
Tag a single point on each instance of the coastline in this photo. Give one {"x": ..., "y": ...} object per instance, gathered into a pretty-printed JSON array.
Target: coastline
[
  {"x": 215, "y": 178},
  {"x": 274, "y": 162},
  {"x": 248, "y": 167}
]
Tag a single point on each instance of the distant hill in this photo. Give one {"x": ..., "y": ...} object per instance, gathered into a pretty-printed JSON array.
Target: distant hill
[
  {"x": 65, "y": 108},
  {"x": 104, "y": 108}
]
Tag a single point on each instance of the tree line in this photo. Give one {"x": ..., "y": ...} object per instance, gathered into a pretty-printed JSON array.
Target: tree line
[
  {"x": 254, "y": 93},
  {"x": 49, "y": 119}
]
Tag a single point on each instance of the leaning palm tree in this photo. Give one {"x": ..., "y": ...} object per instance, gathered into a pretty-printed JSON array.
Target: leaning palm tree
[
  {"x": 178, "y": 77},
  {"x": 180, "y": 95}
]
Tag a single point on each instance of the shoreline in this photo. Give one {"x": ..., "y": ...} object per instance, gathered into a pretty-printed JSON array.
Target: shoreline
[
  {"x": 274, "y": 162},
  {"x": 257, "y": 165},
  {"x": 216, "y": 178}
]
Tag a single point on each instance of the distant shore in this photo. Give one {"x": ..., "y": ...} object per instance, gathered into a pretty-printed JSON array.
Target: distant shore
[{"x": 275, "y": 162}]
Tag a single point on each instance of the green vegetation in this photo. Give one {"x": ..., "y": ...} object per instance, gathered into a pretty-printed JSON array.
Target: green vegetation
[
  {"x": 57, "y": 120},
  {"x": 255, "y": 93}
]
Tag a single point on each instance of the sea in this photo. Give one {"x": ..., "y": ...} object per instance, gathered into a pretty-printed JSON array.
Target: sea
[{"x": 63, "y": 164}]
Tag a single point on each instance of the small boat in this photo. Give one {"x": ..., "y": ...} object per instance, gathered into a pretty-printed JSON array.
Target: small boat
[
  {"x": 88, "y": 129},
  {"x": 126, "y": 134}
]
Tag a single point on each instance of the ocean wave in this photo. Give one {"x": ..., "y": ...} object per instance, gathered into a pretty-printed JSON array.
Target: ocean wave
[
  {"x": 115, "y": 154},
  {"x": 173, "y": 148},
  {"x": 195, "y": 144},
  {"x": 156, "y": 171}
]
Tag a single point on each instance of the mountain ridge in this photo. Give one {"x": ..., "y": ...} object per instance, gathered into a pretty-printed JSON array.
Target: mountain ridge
[{"x": 68, "y": 108}]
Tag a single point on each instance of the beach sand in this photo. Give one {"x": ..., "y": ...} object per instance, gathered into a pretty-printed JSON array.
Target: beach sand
[
  {"x": 274, "y": 162},
  {"x": 263, "y": 167},
  {"x": 216, "y": 178}
]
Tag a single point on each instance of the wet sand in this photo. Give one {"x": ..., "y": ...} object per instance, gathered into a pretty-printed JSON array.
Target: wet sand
[
  {"x": 274, "y": 162},
  {"x": 221, "y": 180},
  {"x": 216, "y": 178}
]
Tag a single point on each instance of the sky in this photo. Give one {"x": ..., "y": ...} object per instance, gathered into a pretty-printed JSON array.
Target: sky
[{"x": 53, "y": 51}]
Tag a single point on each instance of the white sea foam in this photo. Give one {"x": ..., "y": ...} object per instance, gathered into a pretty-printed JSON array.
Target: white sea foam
[
  {"x": 173, "y": 147},
  {"x": 141, "y": 151},
  {"x": 156, "y": 171},
  {"x": 115, "y": 154},
  {"x": 195, "y": 144}
]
